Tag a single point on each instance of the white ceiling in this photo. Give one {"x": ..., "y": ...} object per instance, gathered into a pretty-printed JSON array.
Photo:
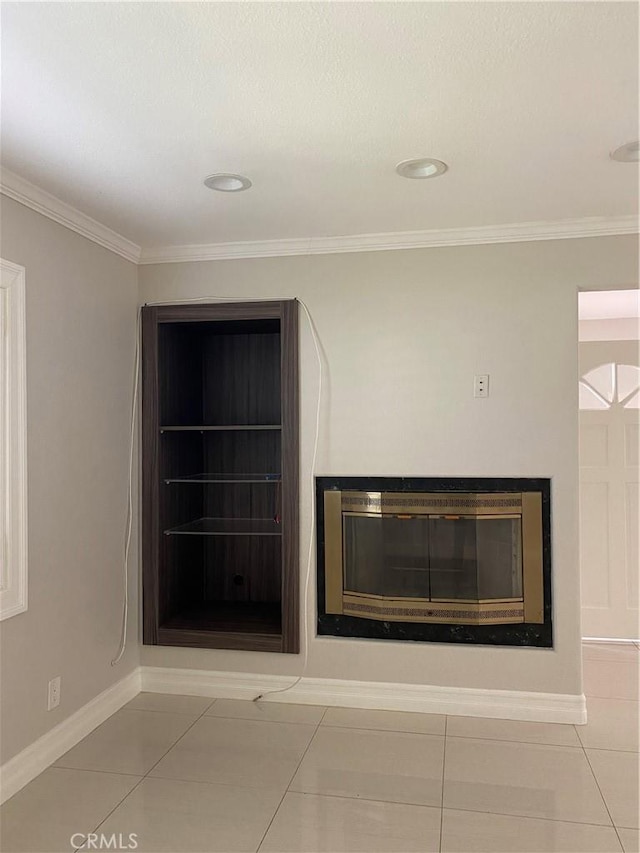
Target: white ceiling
[
  {"x": 609, "y": 304},
  {"x": 121, "y": 110}
]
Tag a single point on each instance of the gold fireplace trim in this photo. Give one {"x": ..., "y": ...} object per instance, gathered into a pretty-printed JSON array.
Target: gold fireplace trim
[
  {"x": 387, "y": 609},
  {"x": 525, "y": 505},
  {"x": 425, "y": 503}
]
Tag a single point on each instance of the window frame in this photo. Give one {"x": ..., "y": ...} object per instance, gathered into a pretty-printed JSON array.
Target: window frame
[{"x": 13, "y": 441}]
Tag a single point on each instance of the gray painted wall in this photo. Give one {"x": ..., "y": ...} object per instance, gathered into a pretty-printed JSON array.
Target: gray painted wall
[
  {"x": 403, "y": 333},
  {"x": 81, "y": 318}
]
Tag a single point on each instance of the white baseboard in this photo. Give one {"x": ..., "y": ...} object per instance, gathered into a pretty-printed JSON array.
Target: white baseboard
[
  {"x": 424, "y": 698},
  {"x": 26, "y": 765},
  {"x": 383, "y": 696},
  {"x": 610, "y": 640}
]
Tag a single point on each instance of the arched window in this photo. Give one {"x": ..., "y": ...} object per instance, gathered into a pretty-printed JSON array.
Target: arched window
[{"x": 610, "y": 386}]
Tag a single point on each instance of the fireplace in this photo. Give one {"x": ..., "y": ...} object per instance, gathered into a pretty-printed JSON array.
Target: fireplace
[{"x": 446, "y": 560}]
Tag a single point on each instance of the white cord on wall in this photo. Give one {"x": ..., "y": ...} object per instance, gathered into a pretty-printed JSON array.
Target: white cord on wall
[
  {"x": 314, "y": 457},
  {"x": 129, "y": 520}
]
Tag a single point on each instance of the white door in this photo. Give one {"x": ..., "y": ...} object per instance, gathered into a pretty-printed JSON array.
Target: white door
[{"x": 609, "y": 488}]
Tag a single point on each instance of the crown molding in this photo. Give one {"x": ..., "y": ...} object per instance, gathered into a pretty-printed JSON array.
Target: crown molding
[
  {"x": 476, "y": 235},
  {"x": 29, "y": 194},
  {"x": 37, "y": 199}
]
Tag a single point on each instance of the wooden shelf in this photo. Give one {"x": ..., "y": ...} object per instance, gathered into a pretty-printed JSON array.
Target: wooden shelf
[
  {"x": 227, "y": 527},
  {"x": 228, "y": 616},
  {"x": 225, "y": 478},
  {"x": 225, "y": 428}
]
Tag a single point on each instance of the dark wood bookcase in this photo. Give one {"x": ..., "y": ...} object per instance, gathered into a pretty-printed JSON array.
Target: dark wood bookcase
[{"x": 220, "y": 475}]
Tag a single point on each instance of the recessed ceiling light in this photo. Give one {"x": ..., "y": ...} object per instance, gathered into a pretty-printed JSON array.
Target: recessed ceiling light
[
  {"x": 227, "y": 183},
  {"x": 629, "y": 153},
  {"x": 424, "y": 167}
]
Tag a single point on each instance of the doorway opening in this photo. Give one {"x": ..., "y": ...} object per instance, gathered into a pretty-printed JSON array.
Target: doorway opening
[{"x": 609, "y": 424}]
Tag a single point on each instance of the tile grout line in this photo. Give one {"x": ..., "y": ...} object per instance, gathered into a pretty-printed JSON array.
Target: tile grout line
[
  {"x": 286, "y": 791},
  {"x": 542, "y": 744},
  {"x": 612, "y": 749},
  {"x": 444, "y": 758},
  {"x": 79, "y": 770},
  {"x": 381, "y": 731},
  {"x": 604, "y": 748},
  {"x": 520, "y": 816},
  {"x": 142, "y": 778},
  {"x": 523, "y": 742},
  {"x": 606, "y": 805},
  {"x": 575, "y": 728},
  {"x": 453, "y": 808},
  {"x": 258, "y": 720},
  {"x": 163, "y": 711}
]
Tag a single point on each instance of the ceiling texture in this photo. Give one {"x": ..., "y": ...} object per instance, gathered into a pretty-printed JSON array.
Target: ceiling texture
[{"x": 122, "y": 109}]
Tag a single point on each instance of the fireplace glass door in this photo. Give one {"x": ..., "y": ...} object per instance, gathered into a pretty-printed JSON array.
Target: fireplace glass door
[
  {"x": 433, "y": 558},
  {"x": 468, "y": 559}
]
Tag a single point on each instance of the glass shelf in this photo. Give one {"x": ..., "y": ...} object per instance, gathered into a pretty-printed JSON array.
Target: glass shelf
[
  {"x": 225, "y": 478},
  {"x": 227, "y": 527},
  {"x": 225, "y": 428}
]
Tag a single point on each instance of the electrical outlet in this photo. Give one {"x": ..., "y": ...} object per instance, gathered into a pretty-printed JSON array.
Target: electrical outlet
[
  {"x": 481, "y": 385},
  {"x": 54, "y": 693}
]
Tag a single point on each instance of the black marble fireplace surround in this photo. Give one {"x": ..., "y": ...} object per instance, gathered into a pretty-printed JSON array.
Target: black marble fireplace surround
[{"x": 519, "y": 634}]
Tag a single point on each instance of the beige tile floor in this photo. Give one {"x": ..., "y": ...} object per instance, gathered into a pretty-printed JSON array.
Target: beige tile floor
[{"x": 185, "y": 773}]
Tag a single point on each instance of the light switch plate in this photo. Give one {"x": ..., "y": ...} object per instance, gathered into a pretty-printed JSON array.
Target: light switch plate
[{"x": 481, "y": 385}]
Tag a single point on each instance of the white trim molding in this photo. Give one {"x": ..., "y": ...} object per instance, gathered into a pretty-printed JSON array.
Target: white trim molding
[
  {"x": 457, "y": 701},
  {"x": 26, "y": 765},
  {"x": 30, "y": 195},
  {"x": 473, "y": 236},
  {"x": 13, "y": 441},
  {"x": 382, "y": 696}
]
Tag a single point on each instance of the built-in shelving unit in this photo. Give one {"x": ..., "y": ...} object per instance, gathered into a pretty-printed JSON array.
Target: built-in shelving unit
[{"x": 220, "y": 476}]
